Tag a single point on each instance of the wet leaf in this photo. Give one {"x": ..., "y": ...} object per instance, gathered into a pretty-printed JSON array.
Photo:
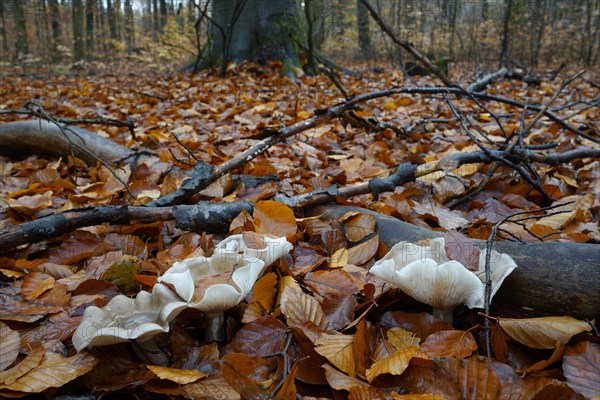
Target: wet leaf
[{"x": 581, "y": 367}]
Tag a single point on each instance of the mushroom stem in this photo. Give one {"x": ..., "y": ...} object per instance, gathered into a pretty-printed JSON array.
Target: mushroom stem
[
  {"x": 214, "y": 327},
  {"x": 445, "y": 314}
]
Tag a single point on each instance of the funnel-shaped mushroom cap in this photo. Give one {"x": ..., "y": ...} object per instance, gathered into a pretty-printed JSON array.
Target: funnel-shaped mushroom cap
[
  {"x": 439, "y": 285},
  {"x": 412, "y": 268},
  {"x": 124, "y": 318}
]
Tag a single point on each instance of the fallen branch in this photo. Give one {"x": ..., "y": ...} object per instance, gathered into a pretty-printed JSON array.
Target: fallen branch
[
  {"x": 215, "y": 217},
  {"x": 553, "y": 278}
]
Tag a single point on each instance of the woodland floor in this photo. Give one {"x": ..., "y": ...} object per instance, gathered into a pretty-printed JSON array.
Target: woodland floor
[{"x": 363, "y": 343}]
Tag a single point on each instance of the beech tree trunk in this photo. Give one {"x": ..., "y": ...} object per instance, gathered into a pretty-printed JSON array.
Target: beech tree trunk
[
  {"x": 21, "y": 46},
  {"x": 258, "y": 30},
  {"x": 78, "y": 32}
]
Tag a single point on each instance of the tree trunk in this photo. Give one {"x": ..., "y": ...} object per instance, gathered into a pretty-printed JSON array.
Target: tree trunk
[
  {"x": 163, "y": 13},
  {"x": 364, "y": 37},
  {"x": 78, "y": 32},
  {"x": 112, "y": 23},
  {"x": 21, "y": 46},
  {"x": 259, "y": 30},
  {"x": 506, "y": 31},
  {"x": 129, "y": 25},
  {"x": 90, "y": 12},
  {"x": 55, "y": 26},
  {"x": 3, "y": 37}
]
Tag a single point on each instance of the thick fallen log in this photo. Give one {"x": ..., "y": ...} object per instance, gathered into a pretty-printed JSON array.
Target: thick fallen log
[
  {"x": 552, "y": 278},
  {"x": 47, "y": 138}
]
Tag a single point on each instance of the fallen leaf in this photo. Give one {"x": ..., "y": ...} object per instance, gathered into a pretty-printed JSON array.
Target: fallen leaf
[
  {"x": 274, "y": 218},
  {"x": 581, "y": 366},
  {"x": 299, "y": 307},
  {"x": 363, "y": 252},
  {"x": 459, "y": 344},
  {"x": 544, "y": 332},
  {"x": 180, "y": 376},
  {"x": 338, "y": 350}
]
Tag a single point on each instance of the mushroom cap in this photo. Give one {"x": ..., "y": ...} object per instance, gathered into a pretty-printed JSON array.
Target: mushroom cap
[
  {"x": 124, "y": 318},
  {"x": 411, "y": 268},
  {"x": 442, "y": 286}
]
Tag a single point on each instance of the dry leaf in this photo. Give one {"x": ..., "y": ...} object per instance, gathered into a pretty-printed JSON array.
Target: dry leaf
[
  {"x": 34, "y": 284},
  {"x": 581, "y": 367},
  {"x": 53, "y": 371},
  {"x": 274, "y": 218},
  {"x": 9, "y": 350},
  {"x": 180, "y": 376},
  {"x": 462, "y": 249},
  {"x": 338, "y": 350},
  {"x": 544, "y": 332},
  {"x": 459, "y": 344},
  {"x": 358, "y": 226},
  {"x": 395, "y": 363},
  {"x": 363, "y": 252},
  {"x": 299, "y": 307},
  {"x": 339, "y": 259}
]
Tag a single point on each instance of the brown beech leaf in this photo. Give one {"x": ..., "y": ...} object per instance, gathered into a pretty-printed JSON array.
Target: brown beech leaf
[
  {"x": 299, "y": 307},
  {"x": 265, "y": 335},
  {"x": 10, "y": 342},
  {"x": 556, "y": 356},
  {"x": 425, "y": 378},
  {"x": 53, "y": 371},
  {"x": 339, "y": 380},
  {"x": 237, "y": 368},
  {"x": 399, "y": 338},
  {"x": 328, "y": 282},
  {"x": 459, "y": 344},
  {"x": 339, "y": 259},
  {"x": 365, "y": 393},
  {"x": 462, "y": 249},
  {"x": 581, "y": 367},
  {"x": 308, "y": 358},
  {"x": 396, "y": 363},
  {"x": 558, "y": 391},
  {"x": 265, "y": 291},
  {"x": 358, "y": 225},
  {"x": 33, "y": 360},
  {"x": 364, "y": 346},
  {"x": 287, "y": 391},
  {"x": 34, "y": 284},
  {"x": 544, "y": 332},
  {"x": 210, "y": 388},
  {"x": 14, "y": 309},
  {"x": 252, "y": 312},
  {"x": 473, "y": 376},
  {"x": 338, "y": 350},
  {"x": 396, "y": 396},
  {"x": 421, "y": 324},
  {"x": 30, "y": 205},
  {"x": 180, "y": 376},
  {"x": 274, "y": 218},
  {"x": 253, "y": 240},
  {"x": 363, "y": 252}
]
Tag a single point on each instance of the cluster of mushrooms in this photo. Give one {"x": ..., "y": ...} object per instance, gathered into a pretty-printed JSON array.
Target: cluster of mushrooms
[{"x": 424, "y": 272}]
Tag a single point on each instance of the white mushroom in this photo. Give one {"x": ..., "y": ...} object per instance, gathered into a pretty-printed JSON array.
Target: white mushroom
[
  {"x": 427, "y": 274},
  {"x": 124, "y": 318}
]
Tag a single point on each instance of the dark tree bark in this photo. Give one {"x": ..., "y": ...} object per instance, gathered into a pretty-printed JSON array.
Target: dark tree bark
[
  {"x": 21, "y": 45},
  {"x": 78, "y": 31},
  {"x": 163, "y": 13},
  {"x": 112, "y": 22},
  {"x": 90, "y": 13},
  {"x": 55, "y": 27},
  {"x": 129, "y": 25},
  {"x": 364, "y": 34},
  {"x": 3, "y": 29},
  {"x": 259, "y": 30},
  {"x": 506, "y": 30}
]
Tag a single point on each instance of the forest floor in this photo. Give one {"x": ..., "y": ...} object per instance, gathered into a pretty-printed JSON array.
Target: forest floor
[{"x": 379, "y": 348}]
